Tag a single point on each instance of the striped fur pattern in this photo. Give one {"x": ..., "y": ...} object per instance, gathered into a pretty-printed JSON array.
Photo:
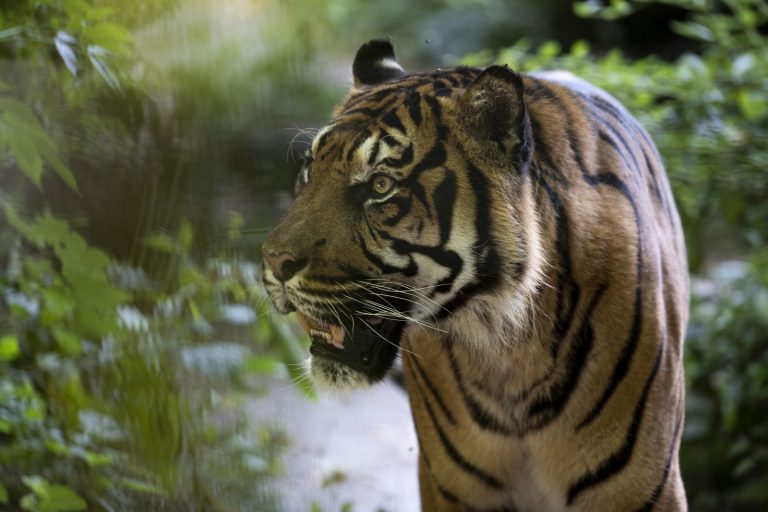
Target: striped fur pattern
[{"x": 528, "y": 241}]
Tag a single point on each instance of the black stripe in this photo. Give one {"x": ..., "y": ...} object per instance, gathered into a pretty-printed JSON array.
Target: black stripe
[
  {"x": 545, "y": 158},
  {"x": 443, "y": 257},
  {"x": 570, "y": 137},
  {"x": 385, "y": 268},
  {"x": 356, "y": 143},
  {"x": 392, "y": 120},
  {"x": 414, "y": 108},
  {"x": 488, "y": 271},
  {"x": 456, "y": 456},
  {"x": 652, "y": 171},
  {"x": 548, "y": 407},
  {"x": 621, "y": 368},
  {"x": 363, "y": 111},
  {"x": 633, "y": 167},
  {"x": 403, "y": 205},
  {"x": 624, "y": 120},
  {"x": 434, "y": 391},
  {"x": 482, "y": 418},
  {"x": 663, "y": 198},
  {"x": 569, "y": 292},
  {"x": 443, "y": 199},
  {"x": 374, "y": 152},
  {"x": 434, "y": 106},
  {"x": 321, "y": 141},
  {"x": 435, "y": 158},
  {"x": 656, "y": 494},
  {"x": 406, "y": 157},
  {"x": 448, "y": 495},
  {"x": 619, "y": 459}
]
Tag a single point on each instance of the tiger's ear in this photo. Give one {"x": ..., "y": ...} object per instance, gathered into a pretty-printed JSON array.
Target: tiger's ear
[
  {"x": 492, "y": 110},
  {"x": 375, "y": 63}
]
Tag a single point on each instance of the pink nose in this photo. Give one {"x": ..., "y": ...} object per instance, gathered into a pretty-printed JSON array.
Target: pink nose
[{"x": 284, "y": 265}]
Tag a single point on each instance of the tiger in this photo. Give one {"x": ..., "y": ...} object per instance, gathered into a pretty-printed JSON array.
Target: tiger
[{"x": 513, "y": 238}]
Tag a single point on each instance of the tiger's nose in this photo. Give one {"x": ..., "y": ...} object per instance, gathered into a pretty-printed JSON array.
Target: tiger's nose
[{"x": 284, "y": 265}]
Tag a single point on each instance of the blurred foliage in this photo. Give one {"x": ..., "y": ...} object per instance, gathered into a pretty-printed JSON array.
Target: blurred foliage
[
  {"x": 119, "y": 389},
  {"x": 111, "y": 393},
  {"x": 725, "y": 450},
  {"x": 708, "y": 114}
]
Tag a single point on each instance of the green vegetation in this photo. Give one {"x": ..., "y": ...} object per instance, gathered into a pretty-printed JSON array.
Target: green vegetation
[
  {"x": 113, "y": 393},
  {"x": 143, "y": 155}
]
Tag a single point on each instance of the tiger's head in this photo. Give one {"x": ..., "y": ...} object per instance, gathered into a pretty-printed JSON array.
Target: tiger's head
[{"x": 413, "y": 210}]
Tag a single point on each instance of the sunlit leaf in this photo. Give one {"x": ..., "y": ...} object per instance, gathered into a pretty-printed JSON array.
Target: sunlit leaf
[
  {"x": 162, "y": 242},
  {"x": 113, "y": 38},
  {"x": 3, "y": 494},
  {"x": 36, "y": 483},
  {"x": 67, "y": 341},
  {"x": 142, "y": 487},
  {"x": 24, "y": 151},
  {"x": 62, "y": 499},
  {"x": 185, "y": 236},
  {"x": 693, "y": 30},
  {"x": 31, "y": 141},
  {"x": 10, "y": 33},
  {"x": 9, "y": 348},
  {"x": 261, "y": 365},
  {"x": 64, "y": 43},
  {"x": 98, "y": 56}
]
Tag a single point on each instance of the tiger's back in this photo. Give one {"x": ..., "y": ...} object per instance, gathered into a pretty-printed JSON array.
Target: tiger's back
[
  {"x": 517, "y": 236},
  {"x": 586, "y": 412}
]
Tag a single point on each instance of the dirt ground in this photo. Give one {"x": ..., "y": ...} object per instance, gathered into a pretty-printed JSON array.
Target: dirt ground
[{"x": 358, "y": 448}]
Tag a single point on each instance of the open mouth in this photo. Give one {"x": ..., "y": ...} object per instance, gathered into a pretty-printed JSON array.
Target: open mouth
[{"x": 368, "y": 346}]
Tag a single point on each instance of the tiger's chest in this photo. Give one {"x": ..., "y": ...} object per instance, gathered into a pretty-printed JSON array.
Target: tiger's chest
[{"x": 472, "y": 454}]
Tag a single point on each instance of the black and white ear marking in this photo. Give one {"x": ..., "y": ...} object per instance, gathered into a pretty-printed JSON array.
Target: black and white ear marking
[{"x": 375, "y": 63}]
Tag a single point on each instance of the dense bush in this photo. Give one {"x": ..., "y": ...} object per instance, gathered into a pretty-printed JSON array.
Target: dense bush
[{"x": 113, "y": 393}]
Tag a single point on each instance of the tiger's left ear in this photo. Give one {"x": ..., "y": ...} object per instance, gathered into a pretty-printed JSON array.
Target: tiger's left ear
[
  {"x": 492, "y": 110},
  {"x": 375, "y": 64}
]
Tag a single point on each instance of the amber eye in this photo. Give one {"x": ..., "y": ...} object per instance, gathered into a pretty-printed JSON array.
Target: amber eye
[{"x": 381, "y": 184}]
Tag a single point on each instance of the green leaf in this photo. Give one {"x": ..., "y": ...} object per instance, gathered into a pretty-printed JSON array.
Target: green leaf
[
  {"x": 98, "y": 57},
  {"x": 580, "y": 49},
  {"x": 752, "y": 104},
  {"x": 110, "y": 36},
  {"x": 36, "y": 483},
  {"x": 142, "y": 487},
  {"x": 693, "y": 30},
  {"x": 25, "y": 153},
  {"x": 9, "y": 348},
  {"x": 62, "y": 499},
  {"x": 3, "y": 494},
  {"x": 64, "y": 43},
  {"x": 549, "y": 50},
  {"x": 261, "y": 365},
  {"x": 161, "y": 242},
  {"x": 67, "y": 341},
  {"x": 185, "y": 236}
]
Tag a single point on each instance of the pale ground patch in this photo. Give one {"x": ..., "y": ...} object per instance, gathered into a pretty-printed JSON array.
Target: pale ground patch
[{"x": 359, "y": 447}]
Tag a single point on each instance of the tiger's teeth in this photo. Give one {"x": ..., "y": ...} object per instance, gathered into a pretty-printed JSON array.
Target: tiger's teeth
[
  {"x": 323, "y": 334},
  {"x": 336, "y": 336}
]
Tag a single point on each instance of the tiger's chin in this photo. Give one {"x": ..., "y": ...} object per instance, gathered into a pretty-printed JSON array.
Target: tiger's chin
[{"x": 351, "y": 356}]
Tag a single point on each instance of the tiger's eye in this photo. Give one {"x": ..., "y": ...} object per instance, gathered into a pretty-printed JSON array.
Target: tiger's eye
[{"x": 382, "y": 184}]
